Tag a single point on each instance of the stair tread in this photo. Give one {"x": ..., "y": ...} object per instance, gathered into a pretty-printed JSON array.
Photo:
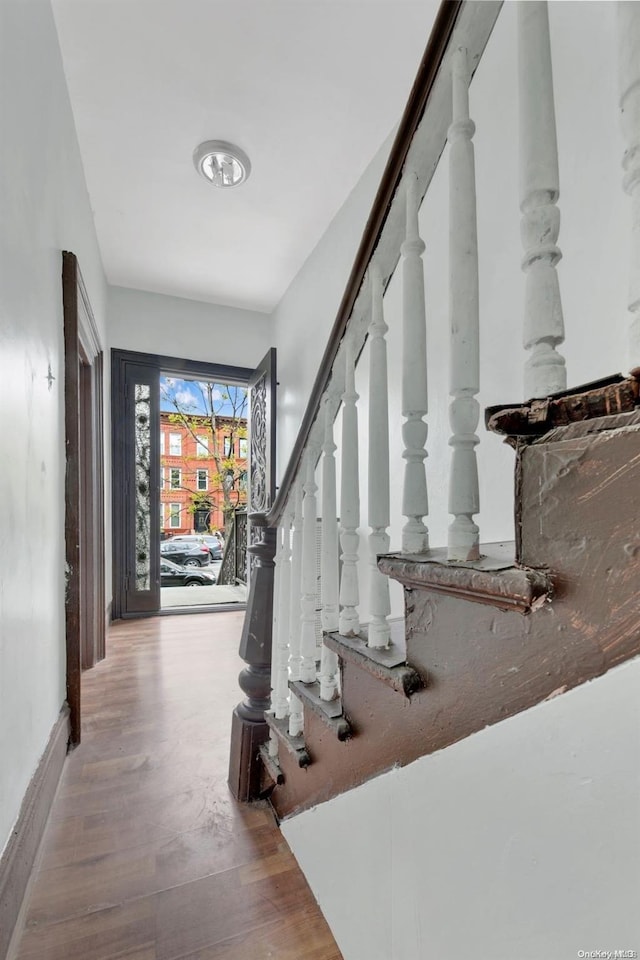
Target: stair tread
[
  {"x": 271, "y": 765},
  {"x": 394, "y": 655},
  {"x": 330, "y": 711},
  {"x": 493, "y": 556},
  {"x": 389, "y": 665},
  {"x": 495, "y": 578},
  {"x": 296, "y": 746}
]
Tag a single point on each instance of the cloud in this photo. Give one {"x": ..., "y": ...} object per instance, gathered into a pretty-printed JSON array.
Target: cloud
[{"x": 184, "y": 398}]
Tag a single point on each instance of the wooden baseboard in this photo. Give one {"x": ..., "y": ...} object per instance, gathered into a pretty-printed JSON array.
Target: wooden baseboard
[{"x": 18, "y": 859}]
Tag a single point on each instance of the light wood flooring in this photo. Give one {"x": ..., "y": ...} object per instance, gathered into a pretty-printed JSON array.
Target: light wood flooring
[{"x": 146, "y": 855}]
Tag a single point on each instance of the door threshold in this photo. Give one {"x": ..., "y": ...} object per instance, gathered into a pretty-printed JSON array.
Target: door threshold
[{"x": 201, "y": 608}]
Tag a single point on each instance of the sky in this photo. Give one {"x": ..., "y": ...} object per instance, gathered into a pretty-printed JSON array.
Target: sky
[{"x": 190, "y": 397}]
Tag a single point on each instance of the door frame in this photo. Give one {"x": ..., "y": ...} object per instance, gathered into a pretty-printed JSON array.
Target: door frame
[
  {"x": 180, "y": 367},
  {"x": 85, "y": 611}
]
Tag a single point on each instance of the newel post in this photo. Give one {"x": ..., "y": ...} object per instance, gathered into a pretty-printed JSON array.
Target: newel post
[{"x": 248, "y": 726}]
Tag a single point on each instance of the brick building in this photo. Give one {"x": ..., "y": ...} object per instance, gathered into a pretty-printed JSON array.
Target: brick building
[{"x": 192, "y": 495}]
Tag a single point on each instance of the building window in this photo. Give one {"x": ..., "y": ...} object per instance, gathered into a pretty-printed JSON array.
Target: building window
[
  {"x": 202, "y": 480},
  {"x": 227, "y": 446},
  {"x": 162, "y": 442},
  {"x": 175, "y": 444},
  {"x": 162, "y": 517},
  {"x": 175, "y": 479},
  {"x": 174, "y": 515},
  {"x": 242, "y": 481},
  {"x": 242, "y": 448},
  {"x": 202, "y": 446}
]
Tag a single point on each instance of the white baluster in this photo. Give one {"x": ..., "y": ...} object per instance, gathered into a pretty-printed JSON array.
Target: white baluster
[
  {"x": 272, "y": 745},
  {"x": 309, "y": 572},
  {"x": 284, "y": 608},
  {"x": 379, "y": 601},
  {"x": 275, "y": 647},
  {"x": 415, "y": 506},
  {"x": 329, "y": 559},
  {"x": 349, "y": 621},
  {"x": 295, "y": 660},
  {"x": 629, "y": 64},
  {"x": 279, "y": 643},
  {"x": 464, "y": 411},
  {"x": 545, "y": 370}
]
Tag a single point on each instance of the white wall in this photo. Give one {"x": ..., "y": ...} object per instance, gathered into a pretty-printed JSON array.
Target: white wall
[
  {"x": 190, "y": 329},
  {"x": 44, "y": 209},
  {"x": 306, "y": 313},
  {"x": 522, "y": 841}
]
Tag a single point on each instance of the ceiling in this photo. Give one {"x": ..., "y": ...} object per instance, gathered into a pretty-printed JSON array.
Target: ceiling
[{"x": 308, "y": 88}]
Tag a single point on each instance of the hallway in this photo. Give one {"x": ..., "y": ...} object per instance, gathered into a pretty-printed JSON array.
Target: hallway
[{"x": 146, "y": 855}]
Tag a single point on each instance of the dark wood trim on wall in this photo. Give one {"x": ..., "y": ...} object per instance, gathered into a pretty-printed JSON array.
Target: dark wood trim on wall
[
  {"x": 84, "y": 486},
  {"x": 101, "y": 619},
  {"x": 20, "y": 853},
  {"x": 72, "y": 487}
]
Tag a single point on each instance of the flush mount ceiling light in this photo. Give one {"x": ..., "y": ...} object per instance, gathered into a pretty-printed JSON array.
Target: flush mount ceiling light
[{"x": 221, "y": 163}]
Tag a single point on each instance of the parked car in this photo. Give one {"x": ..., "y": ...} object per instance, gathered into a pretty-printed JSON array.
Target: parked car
[
  {"x": 212, "y": 542},
  {"x": 185, "y": 553},
  {"x": 173, "y": 575}
]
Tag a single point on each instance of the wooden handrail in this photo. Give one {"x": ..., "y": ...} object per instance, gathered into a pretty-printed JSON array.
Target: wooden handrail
[{"x": 413, "y": 113}]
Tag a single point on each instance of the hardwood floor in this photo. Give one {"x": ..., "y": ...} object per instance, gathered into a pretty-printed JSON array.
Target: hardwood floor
[{"x": 146, "y": 855}]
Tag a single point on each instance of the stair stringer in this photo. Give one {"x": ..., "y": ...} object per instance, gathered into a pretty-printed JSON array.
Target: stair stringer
[{"x": 578, "y": 508}]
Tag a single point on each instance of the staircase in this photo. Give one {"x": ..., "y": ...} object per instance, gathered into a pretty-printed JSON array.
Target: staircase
[
  {"x": 489, "y": 629},
  {"x": 489, "y": 638}
]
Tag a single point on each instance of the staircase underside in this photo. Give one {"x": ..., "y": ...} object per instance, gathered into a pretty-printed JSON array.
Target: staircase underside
[{"x": 487, "y": 640}]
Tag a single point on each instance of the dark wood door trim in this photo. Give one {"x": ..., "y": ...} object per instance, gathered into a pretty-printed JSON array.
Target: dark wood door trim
[
  {"x": 263, "y": 434},
  {"x": 93, "y": 619},
  {"x": 123, "y": 362},
  {"x": 87, "y": 612},
  {"x": 84, "y": 485},
  {"x": 72, "y": 489},
  {"x": 98, "y": 516}
]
